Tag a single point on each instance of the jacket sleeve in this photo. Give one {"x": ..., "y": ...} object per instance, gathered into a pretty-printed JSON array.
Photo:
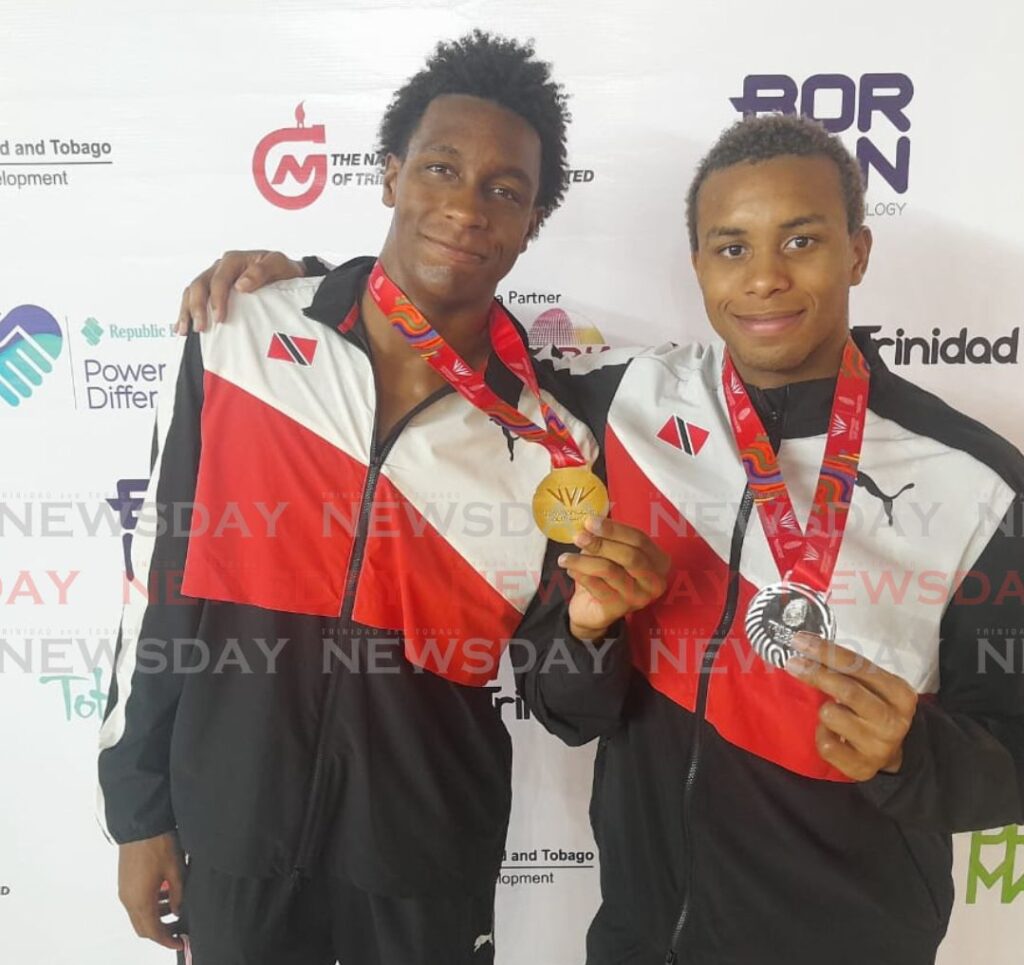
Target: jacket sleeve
[
  {"x": 963, "y": 766},
  {"x": 574, "y": 688},
  {"x": 135, "y": 738},
  {"x": 315, "y": 266}
]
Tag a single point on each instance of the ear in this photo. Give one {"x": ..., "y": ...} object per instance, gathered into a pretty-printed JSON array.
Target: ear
[
  {"x": 392, "y": 167},
  {"x": 534, "y": 227},
  {"x": 860, "y": 242}
]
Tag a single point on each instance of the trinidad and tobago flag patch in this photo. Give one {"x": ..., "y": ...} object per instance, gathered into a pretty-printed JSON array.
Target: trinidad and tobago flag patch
[
  {"x": 292, "y": 348},
  {"x": 683, "y": 435}
]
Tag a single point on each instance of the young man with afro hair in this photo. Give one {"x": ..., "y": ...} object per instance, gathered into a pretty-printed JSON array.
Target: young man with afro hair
[{"x": 326, "y": 752}]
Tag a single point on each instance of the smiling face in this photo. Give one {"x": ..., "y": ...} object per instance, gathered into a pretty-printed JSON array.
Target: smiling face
[
  {"x": 464, "y": 202},
  {"x": 775, "y": 264}
]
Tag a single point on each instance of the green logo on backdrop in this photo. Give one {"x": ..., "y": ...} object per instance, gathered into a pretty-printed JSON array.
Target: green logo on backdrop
[{"x": 993, "y": 862}]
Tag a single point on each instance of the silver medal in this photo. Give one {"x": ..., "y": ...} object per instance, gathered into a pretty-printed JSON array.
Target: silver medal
[{"x": 780, "y": 610}]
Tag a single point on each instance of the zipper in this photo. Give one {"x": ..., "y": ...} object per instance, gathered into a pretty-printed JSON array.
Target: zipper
[
  {"x": 707, "y": 663},
  {"x": 378, "y": 454},
  {"x": 774, "y": 425}
]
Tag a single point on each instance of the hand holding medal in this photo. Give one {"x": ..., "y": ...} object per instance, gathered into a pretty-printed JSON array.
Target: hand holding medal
[
  {"x": 571, "y": 493},
  {"x": 620, "y": 569},
  {"x": 861, "y": 730}
]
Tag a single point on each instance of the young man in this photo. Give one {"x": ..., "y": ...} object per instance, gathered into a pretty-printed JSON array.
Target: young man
[
  {"x": 745, "y": 813},
  {"x": 307, "y": 719},
  {"x": 802, "y": 816}
]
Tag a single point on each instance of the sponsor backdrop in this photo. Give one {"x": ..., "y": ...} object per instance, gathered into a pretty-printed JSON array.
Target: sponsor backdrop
[{"x": 135, "y": 146}]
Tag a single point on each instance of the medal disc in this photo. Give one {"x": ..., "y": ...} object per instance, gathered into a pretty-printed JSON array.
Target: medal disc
[
  {"x": 565, "y": 499},
  {"x": 779, "y": 611}
]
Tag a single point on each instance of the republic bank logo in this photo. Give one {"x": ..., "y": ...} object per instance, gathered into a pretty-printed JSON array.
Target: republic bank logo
[
  {"x": 94, "y": 333},
  {"x": 291, "y": 179},
  {"x": 556, "y": 327},
  {"x": 963, "y": 348},
  {"x": 30, "y": 342},
  {"x": 875, "y": 103}
]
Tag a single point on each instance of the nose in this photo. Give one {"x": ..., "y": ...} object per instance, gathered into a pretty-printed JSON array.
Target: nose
[
  {"x": 464, "y": 205},
  {"x": 767, "y": 274}
]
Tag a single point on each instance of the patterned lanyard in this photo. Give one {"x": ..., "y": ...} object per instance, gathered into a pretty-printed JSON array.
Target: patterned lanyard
[
  {"x": 470, "y": 384},
  {"x": 804, "y": 557}
]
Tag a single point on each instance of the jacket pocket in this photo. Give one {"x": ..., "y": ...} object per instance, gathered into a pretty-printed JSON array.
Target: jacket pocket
[{"x": 922, "y": 853}]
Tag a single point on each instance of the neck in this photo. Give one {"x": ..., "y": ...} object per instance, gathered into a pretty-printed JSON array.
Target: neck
[
  {"x": 465, "y": 327},
  {"x": 823, "y": 363}
]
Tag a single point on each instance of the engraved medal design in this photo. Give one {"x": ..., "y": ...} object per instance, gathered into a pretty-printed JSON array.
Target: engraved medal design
[
  {"x": 780, "y": 610},
  {"x": 566, "y": 499}
]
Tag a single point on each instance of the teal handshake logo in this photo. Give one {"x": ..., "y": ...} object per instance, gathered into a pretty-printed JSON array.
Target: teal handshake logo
[{"x": 30, "y": 342}]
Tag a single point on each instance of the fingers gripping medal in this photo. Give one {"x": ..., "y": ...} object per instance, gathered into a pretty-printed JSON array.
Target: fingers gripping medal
[
  {"x": 566, "y": 499},
  {"x": 806, "y": 559},
  {"x": 570, "y": 493}
]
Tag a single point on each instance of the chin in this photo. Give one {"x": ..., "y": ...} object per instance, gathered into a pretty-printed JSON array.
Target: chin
[
  {"x": 452, "y": 281},
  {"x": 435, "y": 276}
]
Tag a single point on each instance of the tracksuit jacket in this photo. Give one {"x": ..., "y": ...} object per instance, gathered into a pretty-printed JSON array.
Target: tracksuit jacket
[
  {"x": 723, "y": 835},
  {"x": 306, "y": 687}
]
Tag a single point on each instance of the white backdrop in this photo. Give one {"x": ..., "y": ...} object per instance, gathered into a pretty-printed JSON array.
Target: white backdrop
[{"x": 127, "y": 141}]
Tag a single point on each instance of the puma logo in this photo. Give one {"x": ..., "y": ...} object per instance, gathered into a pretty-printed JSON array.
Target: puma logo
[
  {"x": 866, "y": 482},
  {"x": 483, "y": 940},
  {"x": 511, "y": 438}
]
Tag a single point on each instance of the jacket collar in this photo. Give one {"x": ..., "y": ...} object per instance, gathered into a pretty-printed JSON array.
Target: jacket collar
[{"x": 803, "y": 408}]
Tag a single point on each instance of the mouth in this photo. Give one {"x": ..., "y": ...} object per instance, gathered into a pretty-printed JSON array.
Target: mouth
[
  {"x": 454, "y": 253},
  {"x": 769, "y": 323}
]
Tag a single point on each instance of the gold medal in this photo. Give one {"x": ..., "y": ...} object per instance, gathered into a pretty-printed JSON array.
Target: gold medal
[{"x": 565, "y": 499}]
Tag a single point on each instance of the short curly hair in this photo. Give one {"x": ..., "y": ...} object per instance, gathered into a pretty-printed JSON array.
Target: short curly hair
[
  {"x": 755, "y": 139},
  {"x": 496, "y": 69}
]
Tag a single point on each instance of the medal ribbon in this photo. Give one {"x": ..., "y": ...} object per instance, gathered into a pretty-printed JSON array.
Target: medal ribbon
[
  {"x": 470, "y": 384},
  {"x": 804, "y": 557}
]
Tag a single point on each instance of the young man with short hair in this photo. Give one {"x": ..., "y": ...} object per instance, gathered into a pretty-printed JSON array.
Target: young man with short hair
[{"x": 773, "y": 797}]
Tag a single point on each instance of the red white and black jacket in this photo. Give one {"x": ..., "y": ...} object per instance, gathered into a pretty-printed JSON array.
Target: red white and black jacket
[
  {"x": 307, "y": 681},
  {"x": 721, "y": 830}
]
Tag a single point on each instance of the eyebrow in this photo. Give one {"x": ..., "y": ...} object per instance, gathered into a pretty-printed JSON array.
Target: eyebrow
[
  {"x": 507, "y": 172},
  {"x": 442, "y": 149},
  {"x": 720, "y": 231},
  {"x": 726, "y": 231},
  {"x": 805, "y": 219}
]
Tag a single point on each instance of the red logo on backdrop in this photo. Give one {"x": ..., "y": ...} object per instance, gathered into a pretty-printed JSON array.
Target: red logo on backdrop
[{"x": 309, "y": 173}]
